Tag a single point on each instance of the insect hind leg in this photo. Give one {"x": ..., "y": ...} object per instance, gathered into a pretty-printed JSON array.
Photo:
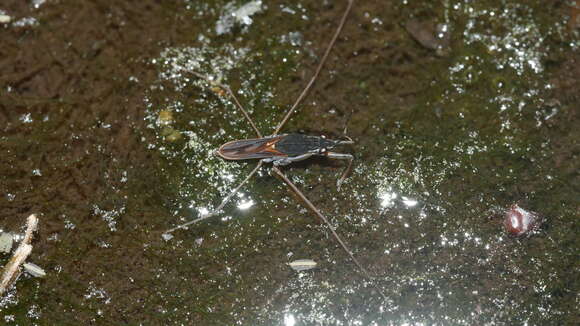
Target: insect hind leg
[{"x": 287, "y": 160}]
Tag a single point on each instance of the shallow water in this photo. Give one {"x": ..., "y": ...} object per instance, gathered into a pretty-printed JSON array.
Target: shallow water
[{"x": 109, "y": 138}]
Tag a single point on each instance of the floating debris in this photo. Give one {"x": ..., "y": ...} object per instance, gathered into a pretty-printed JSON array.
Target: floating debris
[
  {"x": 5, "y": 19},
  {"x": 240, "y": 15},
  {"x": 520, "y": 222},
  {"x": 34, "y": 270},
  {"x": 6, "y": 240},
  {"x": 429, "y": 35},
  {"x": 171, "y": 135},
  {"x": 165, "y": 117},
  {"x": 12, "y": 269},
  {"x": 302, "y": 264}
]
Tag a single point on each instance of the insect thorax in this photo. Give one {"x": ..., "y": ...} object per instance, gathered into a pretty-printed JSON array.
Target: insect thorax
[{"x": 298, "y": 144}]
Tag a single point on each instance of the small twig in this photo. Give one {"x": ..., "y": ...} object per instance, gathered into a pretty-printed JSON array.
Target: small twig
[
  {"x": 12, "y": 268},
  {"x": 31, "y": 226}
]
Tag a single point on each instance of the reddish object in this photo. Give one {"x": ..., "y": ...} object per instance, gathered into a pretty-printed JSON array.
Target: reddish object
[{"x": 519, "y": 222}]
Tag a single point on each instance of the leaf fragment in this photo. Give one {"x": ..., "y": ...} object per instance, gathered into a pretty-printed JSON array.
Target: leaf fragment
[{"x": 302, "y": 264}]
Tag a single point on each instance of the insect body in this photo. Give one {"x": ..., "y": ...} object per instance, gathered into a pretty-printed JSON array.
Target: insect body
[{"x": 285, "y": 149}]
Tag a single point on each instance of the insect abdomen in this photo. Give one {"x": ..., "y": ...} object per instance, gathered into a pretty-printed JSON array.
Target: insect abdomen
[{"x": 247, "y": 149}]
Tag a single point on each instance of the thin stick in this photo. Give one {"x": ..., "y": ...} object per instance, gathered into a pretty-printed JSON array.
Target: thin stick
[
  {"x": 336, "y": 236},
  {"x": 233, "y": 96},
  {"x": 318, "y": 69},
  {"x": 223, "y": 203},
  {"x": 12, "y": 268}
]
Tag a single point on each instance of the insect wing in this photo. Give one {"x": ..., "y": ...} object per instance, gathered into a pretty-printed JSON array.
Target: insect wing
[{"x": 246, "y": 149}]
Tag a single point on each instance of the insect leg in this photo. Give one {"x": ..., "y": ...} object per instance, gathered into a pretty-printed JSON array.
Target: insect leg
[
  {"x": 323, "y": 218},
  {"x": 348, "y": 141},
  {"x": 223, "y": 203},
  {"x": 340, "y": 156},
  {"x": 318, "y": 69},
  {"x": 288, "y": 160},
  {"x": 233, "y": 96}
]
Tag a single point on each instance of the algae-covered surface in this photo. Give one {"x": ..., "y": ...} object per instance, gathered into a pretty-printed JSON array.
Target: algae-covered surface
[{"x": 459, "y": 109}]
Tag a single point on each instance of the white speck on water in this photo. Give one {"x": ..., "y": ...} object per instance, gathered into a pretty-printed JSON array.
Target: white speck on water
[
  {"x": 387, "y": 198},
  {"x": 97, "y": 293},
  {"x": 294, "y": 38},
  {"x": 26, "y": 118},
  {"x": 26, "y": 21},
  {"x": 203, "y": 211},
  {"x": 240, "y": 15},
  {"x": 68, "y": 224},
  {"x": 289, "y": 320},
  {"x": 109, "y": 216},
  {"x": 4, "y": 19},
  {"x": 245, "y": 204},
  {"x": 288, "y": 10},
  {"x": 124, "y": 177},
  {"x": 37, "y": 3},
  {"x": 409, "y": 202},
  {"x": 377, "y": 21}
]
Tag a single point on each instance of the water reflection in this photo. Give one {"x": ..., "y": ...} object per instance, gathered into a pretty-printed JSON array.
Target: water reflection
[
  {"x": 452, "y": 167},
  {"x": 245, "y": 204},
  {"x": 289, "y": 320},
  {"x": 387, "y": 198}
]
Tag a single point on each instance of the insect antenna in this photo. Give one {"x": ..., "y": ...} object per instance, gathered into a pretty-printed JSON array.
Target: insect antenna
[{"x": 318, "y": 69}]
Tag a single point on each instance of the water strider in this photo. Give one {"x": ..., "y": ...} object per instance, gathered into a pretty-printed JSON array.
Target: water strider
[{"x": 284, "y": 149}]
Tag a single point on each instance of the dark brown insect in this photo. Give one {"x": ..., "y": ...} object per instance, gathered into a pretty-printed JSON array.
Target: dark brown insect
[{"x": 285, "y": 149}]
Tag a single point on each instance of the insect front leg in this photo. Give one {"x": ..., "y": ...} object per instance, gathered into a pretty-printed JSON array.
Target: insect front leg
[{"x": 340, "y": 156}]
